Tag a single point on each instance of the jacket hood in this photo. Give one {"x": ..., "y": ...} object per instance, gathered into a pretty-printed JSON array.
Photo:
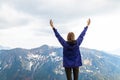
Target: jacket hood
[{"x": 71, "y": 44}]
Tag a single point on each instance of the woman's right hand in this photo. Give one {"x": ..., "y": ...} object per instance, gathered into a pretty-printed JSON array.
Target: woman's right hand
[
  {"x": 51, "y": 23},
  {"x": 88, "y": 22}
]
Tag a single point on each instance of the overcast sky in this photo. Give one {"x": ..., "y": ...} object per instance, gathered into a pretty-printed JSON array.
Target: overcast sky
[{"x": 25, "y": 23}]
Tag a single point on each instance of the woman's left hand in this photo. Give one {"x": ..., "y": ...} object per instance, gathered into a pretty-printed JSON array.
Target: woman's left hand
[{"x": 51, "y": 23}]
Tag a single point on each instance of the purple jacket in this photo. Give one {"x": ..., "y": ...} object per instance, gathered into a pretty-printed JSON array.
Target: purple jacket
[{"x": 71, "y": 51}]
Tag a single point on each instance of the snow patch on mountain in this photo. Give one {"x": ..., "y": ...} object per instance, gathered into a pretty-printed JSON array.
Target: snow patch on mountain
[
  {"x": 87, "y": 62},
  {"x": 99, "y": 56},
  {"x": 54, "y": 57},
  {"x": 89, "y": 71},
  {"x": 26, "y": 64},
  {"x": 33, "y": 56},
  {"x": 5, "y": 66},
  {"x": 52, "y": 54},
  {"x": 59, "y": 69}
]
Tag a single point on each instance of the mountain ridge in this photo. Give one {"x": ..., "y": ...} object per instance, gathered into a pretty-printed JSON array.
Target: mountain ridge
[{"x": 45, "y": 63}]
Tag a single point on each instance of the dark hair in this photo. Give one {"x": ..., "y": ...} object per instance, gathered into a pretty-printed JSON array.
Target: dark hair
[{"x": 70, "y": 37}]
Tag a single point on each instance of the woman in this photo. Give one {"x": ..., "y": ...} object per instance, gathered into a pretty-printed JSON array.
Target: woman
[{"x": 71, "y": 52}]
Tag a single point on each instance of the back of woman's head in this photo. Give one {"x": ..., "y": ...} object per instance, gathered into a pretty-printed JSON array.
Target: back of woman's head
[{"x": 70, "y": 37}]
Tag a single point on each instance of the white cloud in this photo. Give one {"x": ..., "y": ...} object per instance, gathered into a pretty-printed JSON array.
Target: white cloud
[
  {"x": 103, "y": 33},
  {"x": 25, "y": 23},
  {"x": 9, "y": 17},
  {"x": 63, "y": 9}
]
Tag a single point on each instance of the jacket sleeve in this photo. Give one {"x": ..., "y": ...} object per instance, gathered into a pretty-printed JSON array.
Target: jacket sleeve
[
  {"x": 81, "y": 36},
  {"x": 59, "y": 37}
]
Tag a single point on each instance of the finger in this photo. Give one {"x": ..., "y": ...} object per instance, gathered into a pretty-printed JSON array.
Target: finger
[{"x": 89, "y": 20}]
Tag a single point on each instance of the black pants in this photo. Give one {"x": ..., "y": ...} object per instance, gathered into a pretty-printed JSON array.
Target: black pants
[{"x": 69, "y": 73}]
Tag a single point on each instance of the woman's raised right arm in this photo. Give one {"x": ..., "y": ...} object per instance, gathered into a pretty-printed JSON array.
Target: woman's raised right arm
[{"x": 81, "y": 36}]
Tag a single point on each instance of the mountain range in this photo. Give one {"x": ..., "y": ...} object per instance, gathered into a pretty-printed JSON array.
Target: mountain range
[{"x": 45, "y": 63}]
